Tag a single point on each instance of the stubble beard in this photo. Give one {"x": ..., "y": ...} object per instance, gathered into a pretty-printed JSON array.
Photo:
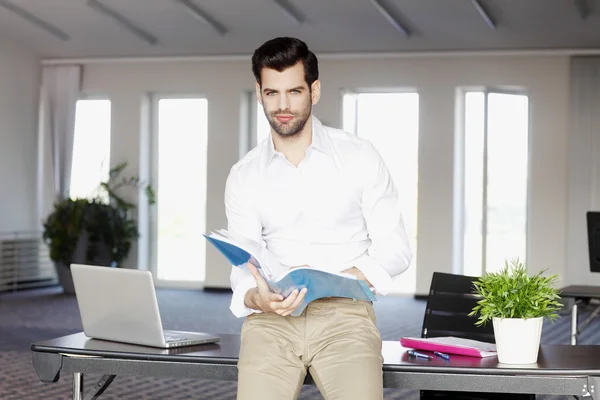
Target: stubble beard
[{"x": 292, "y": 128}]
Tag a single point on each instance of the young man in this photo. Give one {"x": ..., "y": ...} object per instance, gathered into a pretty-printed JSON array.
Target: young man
[{"x": 318, "y": 197}]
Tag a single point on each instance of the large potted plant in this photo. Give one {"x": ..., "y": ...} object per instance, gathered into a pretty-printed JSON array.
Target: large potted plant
[
  {"x": 517, "y": 305},
  {"x": 97, "y": 231}
]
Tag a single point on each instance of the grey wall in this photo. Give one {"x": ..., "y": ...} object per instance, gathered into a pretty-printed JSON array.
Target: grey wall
[{"x": 19, "y": 86}]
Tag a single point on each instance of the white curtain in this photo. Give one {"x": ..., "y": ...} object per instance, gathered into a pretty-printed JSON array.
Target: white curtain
[
  {"x": 59, "y": 92},
  {"x": 583, "y": 165}
]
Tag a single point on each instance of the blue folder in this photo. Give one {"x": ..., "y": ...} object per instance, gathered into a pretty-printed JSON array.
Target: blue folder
[
  {"x": 235, "y": 255},
  {"x": 319, "y": 283}
]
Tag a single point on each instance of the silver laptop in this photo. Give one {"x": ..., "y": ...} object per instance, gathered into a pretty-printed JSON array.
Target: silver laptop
[{"x": 120, "y": 305}]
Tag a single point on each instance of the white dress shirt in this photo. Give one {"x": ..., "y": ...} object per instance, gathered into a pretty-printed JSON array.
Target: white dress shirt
[{"x": 338, "y": 209}]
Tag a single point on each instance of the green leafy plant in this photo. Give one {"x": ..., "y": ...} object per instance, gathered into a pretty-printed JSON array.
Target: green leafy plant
[
  {"x": 105, "y": 219},
  {"x": 114, "y": 184},
  {"x": 512, "y": 293}
]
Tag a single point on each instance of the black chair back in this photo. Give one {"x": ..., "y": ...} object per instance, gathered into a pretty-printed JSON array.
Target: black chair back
[{"x": 450, "y": 301}]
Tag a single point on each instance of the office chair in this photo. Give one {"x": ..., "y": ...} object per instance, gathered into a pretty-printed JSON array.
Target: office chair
[{"x": 450, "y": 301}]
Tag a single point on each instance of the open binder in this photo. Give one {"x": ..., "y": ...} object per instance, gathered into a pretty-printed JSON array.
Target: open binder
[{"x": 241, "y": 250}]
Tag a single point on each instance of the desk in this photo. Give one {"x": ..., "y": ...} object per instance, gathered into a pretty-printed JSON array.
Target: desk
[
  {"x": 561, "y": 369},
  {"x": 580, "y": 294}
]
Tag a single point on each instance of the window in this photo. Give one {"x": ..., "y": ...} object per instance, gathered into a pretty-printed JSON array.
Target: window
[
  {"x": 180, "y": 148},
  {"x": 397, "y": 140},
  {"x": 91, "y": 148},
  {"x": 262, "y": 124},
  {"x": 495, "y": 179}
]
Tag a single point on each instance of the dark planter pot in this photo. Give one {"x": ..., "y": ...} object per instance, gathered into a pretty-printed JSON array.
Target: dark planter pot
[{"x": 65, "y": 278}]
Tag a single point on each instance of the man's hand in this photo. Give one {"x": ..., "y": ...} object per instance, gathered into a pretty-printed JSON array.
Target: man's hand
[
  {"x": 261, "y": 298},
  {"x": 358, "y": 274}
]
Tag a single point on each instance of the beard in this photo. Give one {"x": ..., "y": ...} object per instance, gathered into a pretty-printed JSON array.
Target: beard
[{"x": 294, "y": 126}]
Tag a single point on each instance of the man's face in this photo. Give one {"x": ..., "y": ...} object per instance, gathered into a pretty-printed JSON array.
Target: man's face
[{"x": 286, "y": 99}]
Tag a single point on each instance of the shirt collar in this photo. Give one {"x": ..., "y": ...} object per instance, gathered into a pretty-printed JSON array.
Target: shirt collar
[{"x": 318, "y": 140}]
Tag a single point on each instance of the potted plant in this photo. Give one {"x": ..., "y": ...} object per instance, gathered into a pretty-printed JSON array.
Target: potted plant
[
  {"x": 97, "y": 231},
  {"x": 517, "y": 304}
]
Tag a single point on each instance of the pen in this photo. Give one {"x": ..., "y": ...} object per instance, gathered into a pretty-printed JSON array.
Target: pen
[
  {"x": 443, "y": 355},
  {"x": 419, "y": 355}
]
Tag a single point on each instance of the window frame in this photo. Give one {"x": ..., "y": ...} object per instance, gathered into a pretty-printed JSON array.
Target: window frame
[
  {"x": 355, "y": 93},
  {"x": 86, "y": 97},
  {"x": 153, "y": 102},
  {"x": 460, "y": 184}
]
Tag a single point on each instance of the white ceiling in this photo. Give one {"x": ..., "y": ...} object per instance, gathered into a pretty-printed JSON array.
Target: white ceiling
[{"x": 331, "y": 26}]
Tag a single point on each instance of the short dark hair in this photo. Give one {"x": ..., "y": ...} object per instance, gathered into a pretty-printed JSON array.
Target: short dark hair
[{"x": 282, "y": 53}]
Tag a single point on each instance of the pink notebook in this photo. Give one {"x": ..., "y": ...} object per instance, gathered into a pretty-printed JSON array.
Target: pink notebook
[{"x": 451, "y": 345}]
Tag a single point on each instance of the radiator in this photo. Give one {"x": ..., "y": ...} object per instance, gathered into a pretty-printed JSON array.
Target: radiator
[{"x": 25, "y": 262}]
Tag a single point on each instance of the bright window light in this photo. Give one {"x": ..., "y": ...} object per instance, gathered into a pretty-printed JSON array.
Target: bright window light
[
  {"x": 496, "y": 175},
  {"x": 397, "y": 140},
  {"x": 91, "y": 148},
  {"x": 181, "y": 188},
  {"x": 263, "y": 128}
]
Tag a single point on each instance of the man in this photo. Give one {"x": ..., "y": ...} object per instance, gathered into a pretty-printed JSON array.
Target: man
[{"x": 318, "y": 197}]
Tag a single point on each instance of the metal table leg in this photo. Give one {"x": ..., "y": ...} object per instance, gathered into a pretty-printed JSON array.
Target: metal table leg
[
  {"x": 588, "y": 320},
  {"x": 574, "y": 324},
  {"x": 95, "y": 391},
  {"x": 575, "y": 329},
  {"x": 99, "y": 388},
  {"x": 77, "y": 386}
]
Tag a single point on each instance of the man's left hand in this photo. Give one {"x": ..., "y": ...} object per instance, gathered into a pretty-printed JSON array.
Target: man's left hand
[{"x": 358, "y": 274}]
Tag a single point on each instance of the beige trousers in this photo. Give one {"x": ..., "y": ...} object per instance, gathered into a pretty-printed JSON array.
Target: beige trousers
[{"x": 334, "y": 339}]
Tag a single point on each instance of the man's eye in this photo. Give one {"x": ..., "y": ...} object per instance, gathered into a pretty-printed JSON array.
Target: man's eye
[{"x": 295, "y": 91}]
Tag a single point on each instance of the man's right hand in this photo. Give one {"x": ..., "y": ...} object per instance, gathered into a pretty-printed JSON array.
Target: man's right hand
[{"x": 261, "y": 298}]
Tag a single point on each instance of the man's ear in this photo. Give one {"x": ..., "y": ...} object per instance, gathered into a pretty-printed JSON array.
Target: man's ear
[
  {"x": 316, "y": 91},
  {"x": 258, "y": 93}
]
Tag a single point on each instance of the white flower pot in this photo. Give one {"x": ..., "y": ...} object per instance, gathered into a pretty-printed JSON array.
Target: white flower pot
[{"x": 517, "y": 340}]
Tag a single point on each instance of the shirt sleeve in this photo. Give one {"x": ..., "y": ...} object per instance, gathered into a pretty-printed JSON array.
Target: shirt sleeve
[
  {"x": 389, "y": 253},
  {"x": 242, "y": 219}
]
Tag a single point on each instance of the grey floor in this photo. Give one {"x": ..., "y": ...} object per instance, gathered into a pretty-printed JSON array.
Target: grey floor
[{"x": 29, "y": 316}]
